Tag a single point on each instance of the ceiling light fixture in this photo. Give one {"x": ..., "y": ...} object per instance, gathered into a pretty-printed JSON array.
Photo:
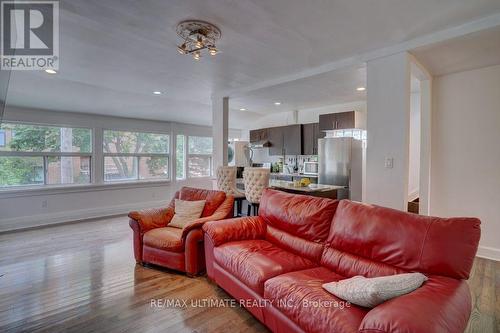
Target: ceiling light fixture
[
  {"x": 360, "y": 88},
  {"x": 277, "y": 103},
  {"x": 243, "y": 109},
  {"x": 157, "y": 92},
  {"x": 197, "y": 36},
  {"x": 50, "y": 71}
]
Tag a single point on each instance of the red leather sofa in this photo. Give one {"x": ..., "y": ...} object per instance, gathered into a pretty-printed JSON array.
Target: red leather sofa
[
  {"x": 180, "y": 249},
  {"x": 281, "y": 258}
]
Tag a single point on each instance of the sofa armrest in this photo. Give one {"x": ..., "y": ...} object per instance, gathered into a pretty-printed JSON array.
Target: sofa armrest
[
  {"x": 235, "y": 229},
  {"x": 148, "y": 219},
  {"x": 194, "y": 254},
  {"x": 440, "y": 305}
]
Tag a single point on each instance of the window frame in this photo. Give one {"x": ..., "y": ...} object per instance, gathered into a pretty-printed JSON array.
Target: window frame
[
  {"x": 184, "y": 156},
  {"x": 137, "y": 156},
  {"x": 4, "y": 135},
  {"x": 189, "y": 155},
  {"x": 45, "y": 156}
]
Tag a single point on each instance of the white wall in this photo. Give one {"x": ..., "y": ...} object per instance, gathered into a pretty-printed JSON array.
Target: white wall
[
  {"x": 388, "y": 122},
  {"x": 465, "y": 169},
  {"x": 44, "y": 206},
  {"x": 414, "y": 159}
]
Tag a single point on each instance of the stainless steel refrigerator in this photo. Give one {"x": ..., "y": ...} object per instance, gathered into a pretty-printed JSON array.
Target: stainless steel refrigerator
[{"x": 340, "y": 162}]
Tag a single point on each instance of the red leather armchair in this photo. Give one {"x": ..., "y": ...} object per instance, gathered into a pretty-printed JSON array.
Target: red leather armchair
[
  {"x": 282, "y": 257},
  {"x": 180, "y": 249}
]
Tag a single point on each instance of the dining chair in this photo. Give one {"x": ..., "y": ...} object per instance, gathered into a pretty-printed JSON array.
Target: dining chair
[
  {"x": 255, "y": 180},
  {"x": 226, "y": 182}
]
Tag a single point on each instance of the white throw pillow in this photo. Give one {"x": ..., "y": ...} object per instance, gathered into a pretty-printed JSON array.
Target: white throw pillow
[
  {"x": 185, "y": 212},
  {"x": 370, "y": 292}
]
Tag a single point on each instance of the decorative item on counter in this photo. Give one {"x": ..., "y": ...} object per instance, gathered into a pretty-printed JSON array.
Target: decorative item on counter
[{"x": 305, "y": 182}]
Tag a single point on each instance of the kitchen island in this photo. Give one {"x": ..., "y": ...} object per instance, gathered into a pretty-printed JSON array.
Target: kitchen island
[{"x": 317, "y": 190}]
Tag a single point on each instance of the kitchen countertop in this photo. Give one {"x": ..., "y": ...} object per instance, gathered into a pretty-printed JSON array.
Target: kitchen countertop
[
  {"x": 293, "y": 175},
  {"x": 307, "y": 189}
]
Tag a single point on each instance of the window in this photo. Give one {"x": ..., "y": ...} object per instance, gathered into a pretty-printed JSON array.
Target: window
[
  {"x": 199, "y": 156},
  {"x": 44, "y": 155},
  {"x": 180, "y": 153},
  {"x": 133, "y": 156},
  {"x": 2, "y": 138}
]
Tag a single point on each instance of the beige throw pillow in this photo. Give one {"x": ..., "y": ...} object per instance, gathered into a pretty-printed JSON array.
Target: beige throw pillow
[
  {"x": 370, "y": 292},
  {"x": 185, "y": 212}
]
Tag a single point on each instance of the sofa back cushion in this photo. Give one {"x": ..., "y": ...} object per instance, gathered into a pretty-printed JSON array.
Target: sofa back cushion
[
  {"x": 374, "y": 241},
  {"x": 213, "y": 199},
  {"x": 298, "y": 223}
]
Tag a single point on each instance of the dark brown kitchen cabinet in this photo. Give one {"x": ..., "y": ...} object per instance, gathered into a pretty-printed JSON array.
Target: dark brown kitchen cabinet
[
  {"x": 275, "y": 137},
  {"x": 332, "y": 121},
  {"x": 292, "y": 139},
  {"x": 258, "y": 135},
  {"x": 285, "y": 140},
  {"x": 345, "y": 120},
  {"x": 310, "y": 136}
]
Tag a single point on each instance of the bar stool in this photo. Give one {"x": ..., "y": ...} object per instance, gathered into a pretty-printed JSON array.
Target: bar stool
[
  {"x": 226, "y": 181},
  {"x": 255, "y": 180}
]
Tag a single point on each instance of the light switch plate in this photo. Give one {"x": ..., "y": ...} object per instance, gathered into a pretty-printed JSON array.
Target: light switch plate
[{"x": 389, "y": 162}]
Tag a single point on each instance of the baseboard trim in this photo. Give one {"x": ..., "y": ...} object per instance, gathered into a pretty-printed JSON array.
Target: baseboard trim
[
  {"x": 488, "y": 253},
  {"x": 29, "y": 222}
]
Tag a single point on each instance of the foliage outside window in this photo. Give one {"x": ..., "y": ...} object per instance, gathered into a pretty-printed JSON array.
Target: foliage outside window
[
  {"x": 44, "y": 155},
  {"x": 132, "y": 156},
  {"x": 199, "y": 156},
  {"x": 180, "y": 153}
]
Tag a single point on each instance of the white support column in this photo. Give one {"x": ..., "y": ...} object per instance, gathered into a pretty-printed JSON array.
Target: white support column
[
  {"x": 388, "y": 128},
  {"x": 425, "y": 145},
  {"x": 220, "y": 114}
]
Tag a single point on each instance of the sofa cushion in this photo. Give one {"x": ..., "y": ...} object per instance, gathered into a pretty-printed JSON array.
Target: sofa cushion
[
  {"x": 300, "y": 297},
  {"x": 213, "y": 199},
  {"x": 167, "y": 238},
  {"x": 186, "y": 211},
  {"x": 255, "y": 261},
  {"x": 299, "y": 215},
  {"x": 370, "y": 292},
  {"x": 362, "y": 234},
  {"x": 294, "y": 244}
]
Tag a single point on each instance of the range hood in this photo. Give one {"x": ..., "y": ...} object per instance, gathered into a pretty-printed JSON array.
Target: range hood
[{"x": 260, "y": 144}]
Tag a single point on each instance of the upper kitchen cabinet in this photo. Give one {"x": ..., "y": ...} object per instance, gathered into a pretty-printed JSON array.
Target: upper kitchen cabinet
[
  {"x": 258, "y": 135},
  {"x": 341, "y": 120},
  {"x": 276, "y": 138},
  {"x": 292, "y": 139},
  {"x": 310, "y": 136},
  {"x": 285, "y": 140},
  {"x": 345, "y": 120}
]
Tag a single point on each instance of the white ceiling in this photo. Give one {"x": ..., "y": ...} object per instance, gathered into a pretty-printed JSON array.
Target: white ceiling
[
  {"x": 471, "y": 51},
  {"x": 114, "y": 53},
  {"x": 335, "y": 87}
]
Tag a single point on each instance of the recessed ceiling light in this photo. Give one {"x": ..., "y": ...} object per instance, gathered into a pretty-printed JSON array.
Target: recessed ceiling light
[
  {"x": 360, "y": 88},
  {"x": 157, "y": 92},
  {"x": 243, "y": 109},
  {"x": 277, "y": 103},
  {"x": 50, "y": 71}
]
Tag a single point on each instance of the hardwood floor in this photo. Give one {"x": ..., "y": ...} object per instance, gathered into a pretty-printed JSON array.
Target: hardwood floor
[{"x": 82, "y": 278}]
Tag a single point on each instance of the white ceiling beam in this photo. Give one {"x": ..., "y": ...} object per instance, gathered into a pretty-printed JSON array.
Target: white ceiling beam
[{"x": 359, "y": 60}]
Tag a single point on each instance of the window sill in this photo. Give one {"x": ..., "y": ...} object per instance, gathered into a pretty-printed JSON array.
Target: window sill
[{"x": 64, "y": 189}]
